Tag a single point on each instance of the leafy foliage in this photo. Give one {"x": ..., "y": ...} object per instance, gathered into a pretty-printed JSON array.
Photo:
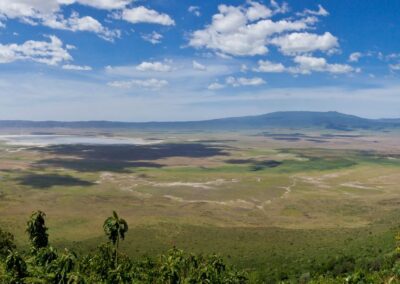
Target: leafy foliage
[
  {"x": 115, "y": 228},
  {"x": 16, "y": 267},
  {"x": 6, "y": 243},
  {"x": 44, "y": 264},
  {"x": 37, "y": 230}
]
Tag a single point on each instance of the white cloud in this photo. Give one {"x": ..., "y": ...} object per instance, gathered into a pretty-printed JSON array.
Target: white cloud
[
  {"x": 242, "y": 81},
  {"x": 395, "y": 67},
  {"x": 242, "y": 30},
  {"x": 308, "y": 64},
  {"x": 251, "y": 81},
  {"x": 101, "y": 4},
  {"x": 269, "y": 67},
  {"x": 153, "y": 67},
  {"x": 393, "y": 56},
  {"x": 279, "y": 9},
  {"x": 50, "y": 53},
  {"x": 76, "y": 23},
  {"x": 257, "y": 11},
  {"x": 35, "y": 9},
  {"x": 142, "y": 14},
  {"x": 48, "y": 13},
  {"x": 355, "y": 56},
  {"x": 154, "y": 37},
  {"x": 199, "y": 66},
  {"x": 295, "y": 43},
  {"x": 181, "y": 70},
  {"x": 320, "y": 12},
  {"x": 76, "y": 67},
  {"x": 151, "y": 84},
  {"x": 194, "y": 10},
  {"x": 216, "y": 86}
]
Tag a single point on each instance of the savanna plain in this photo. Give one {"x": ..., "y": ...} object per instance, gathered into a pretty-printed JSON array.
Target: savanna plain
[{"x": 278, "y": 203}]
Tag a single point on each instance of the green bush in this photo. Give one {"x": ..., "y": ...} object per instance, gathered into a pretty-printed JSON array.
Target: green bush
[
  {"x": 6, "y": 243},
  {"x": 44, "y": 264}
]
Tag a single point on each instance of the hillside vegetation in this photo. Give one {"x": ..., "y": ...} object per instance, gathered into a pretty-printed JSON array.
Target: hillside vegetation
[{"x": 45, "y": 264}]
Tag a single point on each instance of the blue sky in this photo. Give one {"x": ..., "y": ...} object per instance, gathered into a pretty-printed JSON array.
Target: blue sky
[{"x": 190, "y": 60}]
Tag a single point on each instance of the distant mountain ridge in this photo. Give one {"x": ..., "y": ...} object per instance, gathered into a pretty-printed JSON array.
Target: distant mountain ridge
[{"x": 283, "y": 119}]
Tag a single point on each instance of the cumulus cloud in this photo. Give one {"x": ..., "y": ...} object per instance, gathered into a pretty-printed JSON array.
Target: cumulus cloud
[
  {"x": 101, "y": 4},
  {"x": 243, "y": 30},
  {"x": 237, "y": 82},
  {"x": 295, "y": 43},
  {"x": 48, "y": 52},
  {"x": 33, "y": 9},
  {"x": 249, "y": 30},
  {"x": 48, "y": 13},
  {"x": 77, "y": 23},
  {"x": 153, "y": 67},
  {"x": 395, "y": 67},
  {"x": 216, "y": 86},
  {"x": 355, "y": 56},
  {"x": 320, "y": 12},
  {"x": 76, "y": 67},
  {"x": 154, "y": 37},
  {"x": 279, "y": 8},
  {"x": 269, "y": 67},
  {"x": 142, "y": 14},
  {"x": 151, "y": 84},
  {"x": 195, "y": 10},
  {"x": 308, "y": 64},
  {"x": 257, "y": 11},
  {"x": 305, "y": 64},
  {"x": 199, "y": 66},
  {"x": 242, "y": 81}
]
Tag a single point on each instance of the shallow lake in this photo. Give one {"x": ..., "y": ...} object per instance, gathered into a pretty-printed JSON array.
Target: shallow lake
[{"x": 45, "y": 140}]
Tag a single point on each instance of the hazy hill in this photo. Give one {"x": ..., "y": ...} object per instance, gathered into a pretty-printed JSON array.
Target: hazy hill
[{"x": 289, "y": 119}]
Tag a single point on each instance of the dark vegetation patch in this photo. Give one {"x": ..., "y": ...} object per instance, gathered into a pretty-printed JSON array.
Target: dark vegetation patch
[
  {"x": 120, "y": 158},
  {"x": 134, "y": 152},
  {"x": 216, "y": 141},
  {"x": 293, "y": 137},
  {"x": 255, "y": 165},
  {"x": 316, "y": 164},
  {"x": 342, "y": 135},
  {"x": 329, "y": 159},
  {"x": 44, "y": 181},
  {"x": 317, "y": 140},
  {"x": 93, "y": 165}
]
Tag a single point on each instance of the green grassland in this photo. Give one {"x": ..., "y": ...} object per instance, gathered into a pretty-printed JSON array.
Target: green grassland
[{"x": 273, "y": 207}]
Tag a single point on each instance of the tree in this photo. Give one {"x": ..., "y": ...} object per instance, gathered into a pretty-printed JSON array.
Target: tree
[
  {"x": 6, "y": 243},
  {"x": 16, "y": 267},
  {"x": 37, "y": 230},
  {"x": 115, "y": 228}
]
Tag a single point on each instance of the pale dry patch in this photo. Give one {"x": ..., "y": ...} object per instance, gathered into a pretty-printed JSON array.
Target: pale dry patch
[
  {"x": 288, "y": 189},
  {"x": 357, "y": 185},
  {"x": 201, "y": 185},
  {"x": 315, "y": 181},
  {"x": 237, "y": 203}
]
